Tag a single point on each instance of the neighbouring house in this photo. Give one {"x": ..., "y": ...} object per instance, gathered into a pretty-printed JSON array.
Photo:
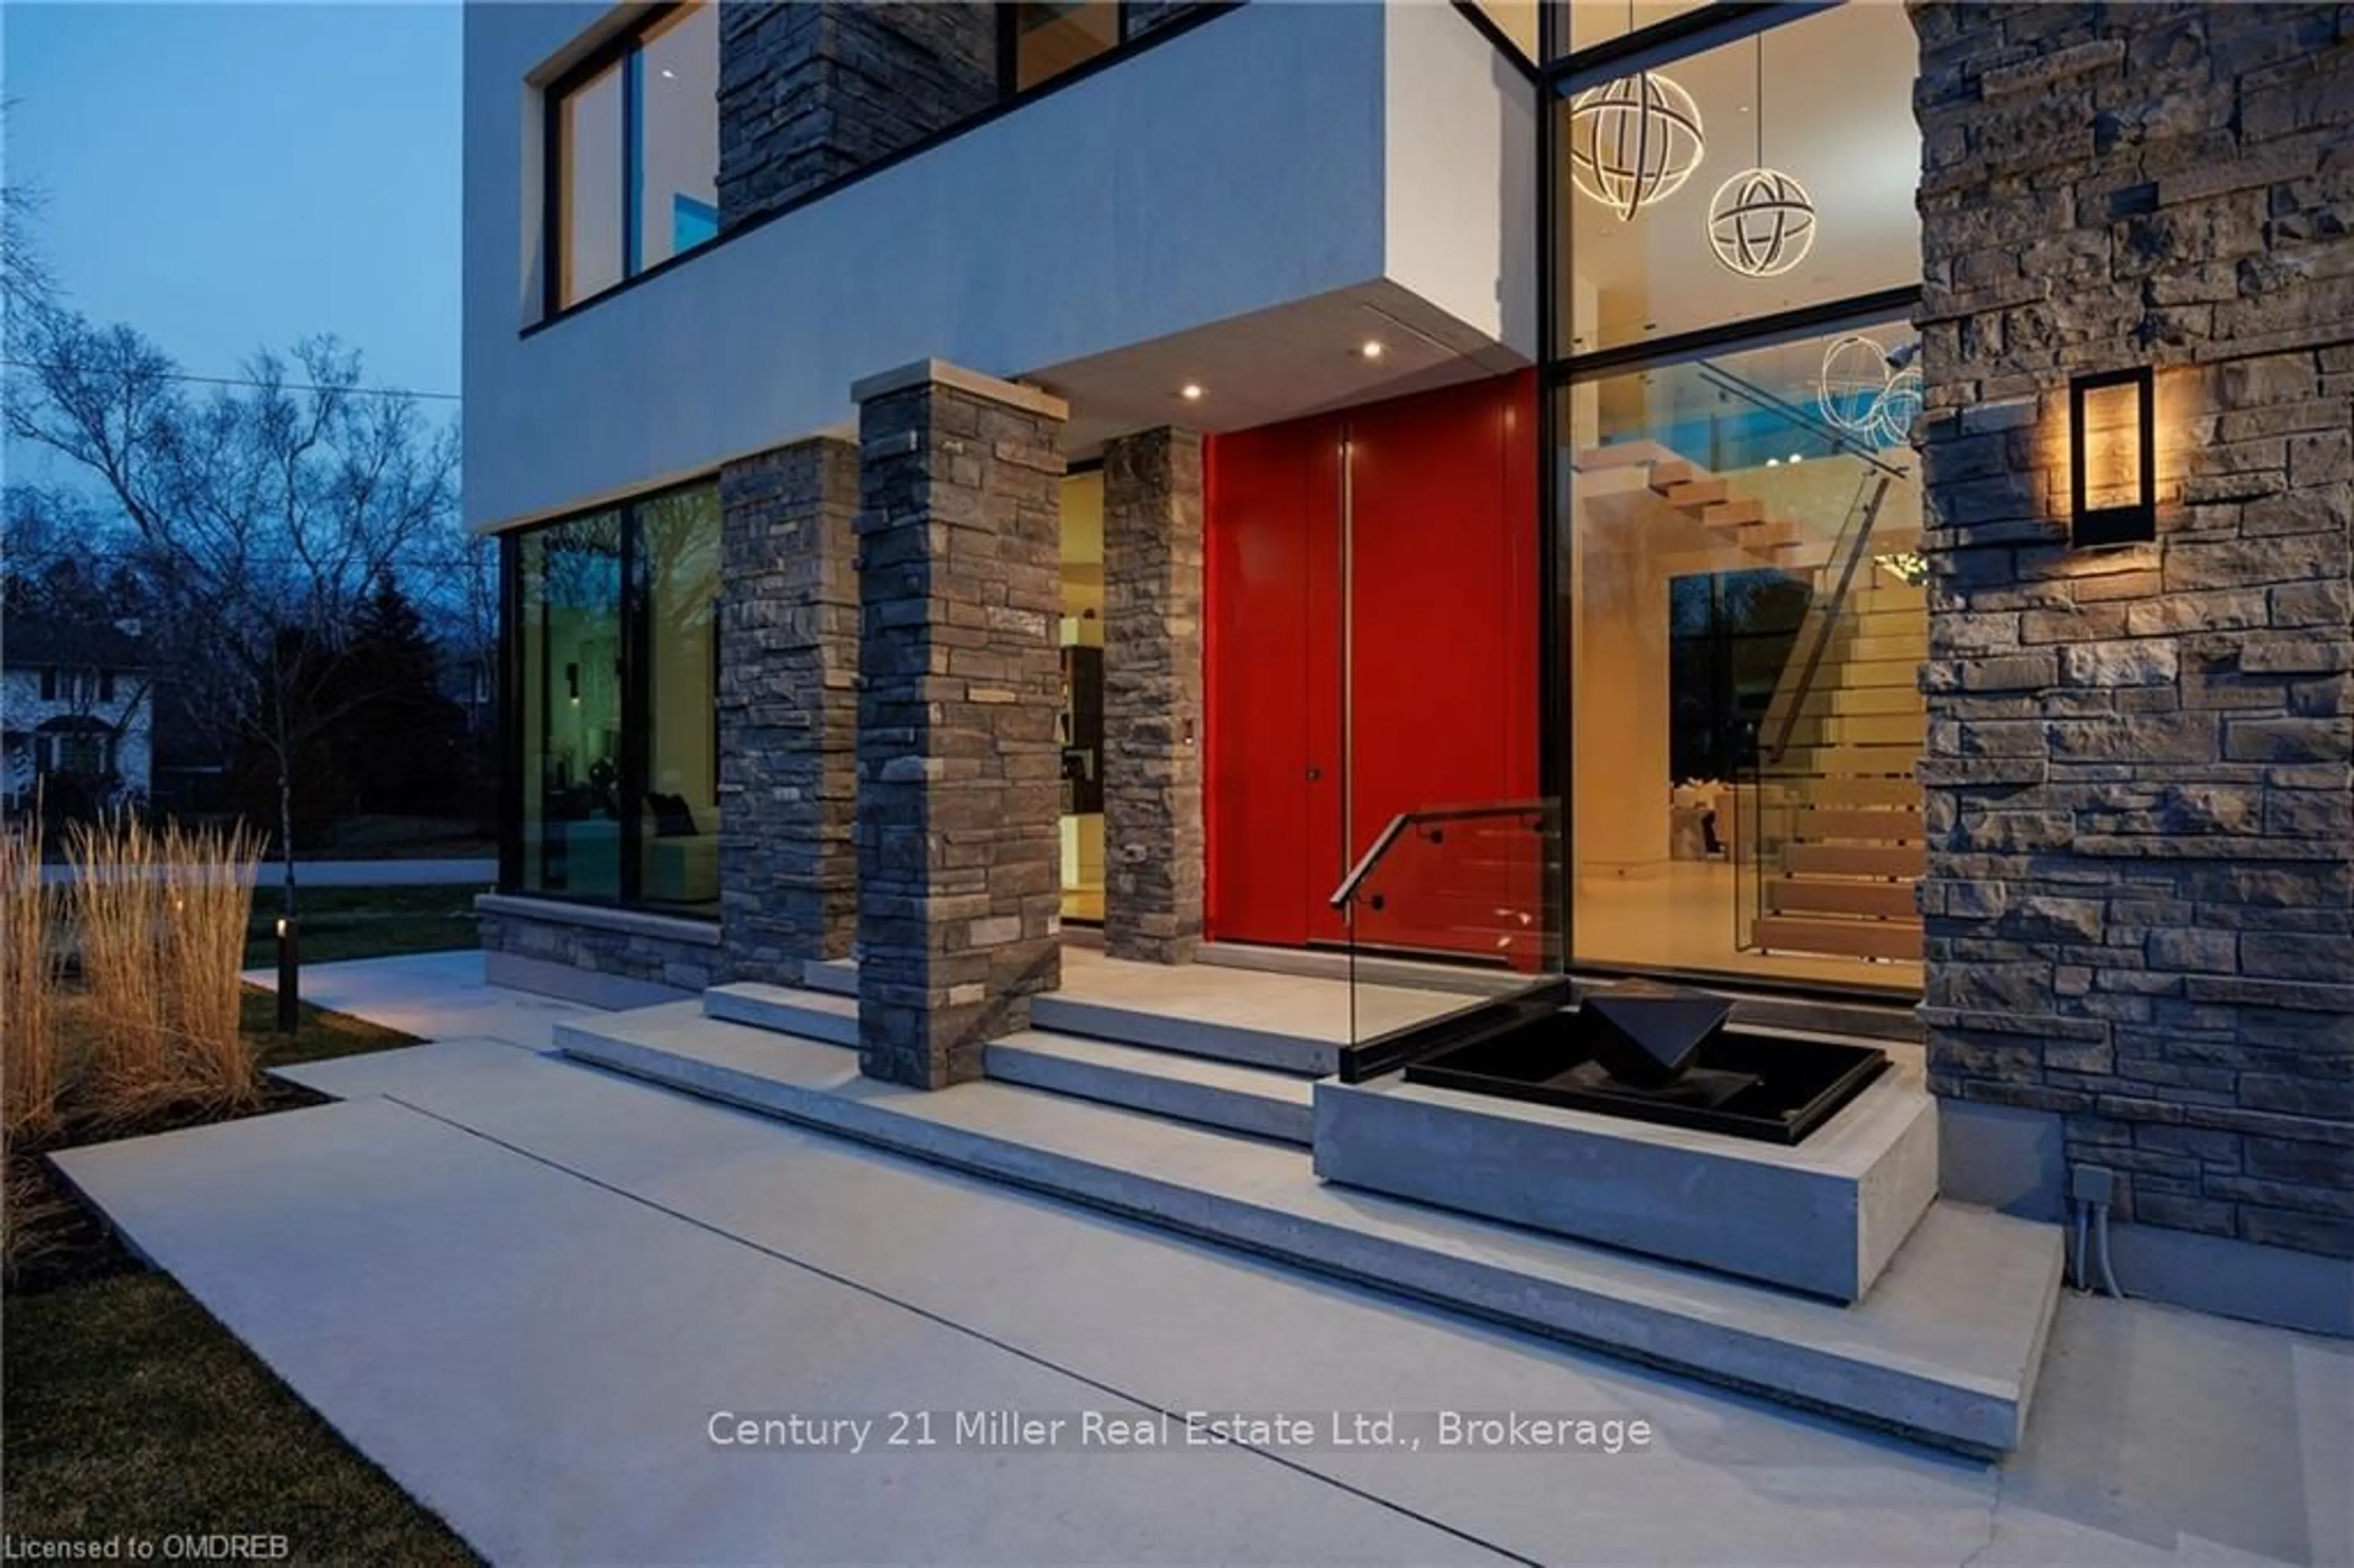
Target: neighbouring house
[
  {"x": 1845, "y": 506},
  {"x": 77, "y": 703}
]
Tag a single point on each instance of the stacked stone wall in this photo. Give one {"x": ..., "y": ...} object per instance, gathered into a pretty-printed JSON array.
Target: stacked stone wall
[
  {"x": 960, "y": 790},
  {"x": 2140, "y": 894},
  {"x": 809, "y": 92},
  {"x": 788, "y": 709},
  {"x": 1152, "y": 695}
]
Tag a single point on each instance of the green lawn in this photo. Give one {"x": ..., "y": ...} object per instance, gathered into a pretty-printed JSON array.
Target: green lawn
[
  {"x": 130, "y": 1413},
  {"x": 338, "y": 923}
]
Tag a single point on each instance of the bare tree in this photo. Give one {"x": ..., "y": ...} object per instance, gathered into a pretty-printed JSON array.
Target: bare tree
[
  {"x": 24, "y": 273},
  {"x": 263, "y": 513}
]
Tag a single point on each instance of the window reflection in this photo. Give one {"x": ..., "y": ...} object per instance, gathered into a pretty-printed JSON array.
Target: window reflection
[
  {"x": 678, "y": 557},
  {"x": 617, "y": 721},
  {"x": 571, "y": 728}
]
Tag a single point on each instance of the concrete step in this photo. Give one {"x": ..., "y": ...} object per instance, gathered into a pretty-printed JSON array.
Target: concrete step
[
  {"x": 1219, "y": 1042},
  {"x": 1944, "y": 1348},
  {"x": 809, "y": 1014},
  {"x": 1215, "y": 1093},
  {"x": 838, "y": 977},
  {"x": 1153, "y": 1028}
]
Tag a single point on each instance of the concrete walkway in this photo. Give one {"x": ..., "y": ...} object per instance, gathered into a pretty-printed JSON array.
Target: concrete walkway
[
  {"x": 434, "y": 996},
  {"x": 355, "y": 873},
  {"x": 526, "y": 1287}
]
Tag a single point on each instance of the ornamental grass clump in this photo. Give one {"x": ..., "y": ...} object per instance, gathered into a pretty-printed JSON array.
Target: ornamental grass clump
[
  {"x": 206, "y": 892},
  {"x": 30, "y": 1078},
  {"x": 160, "y": 917}
]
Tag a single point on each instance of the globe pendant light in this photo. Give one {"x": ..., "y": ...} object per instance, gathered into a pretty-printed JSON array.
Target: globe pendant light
[
  {"x": 1634, "y": 142},
  {"x": 1761, "y": 222}
]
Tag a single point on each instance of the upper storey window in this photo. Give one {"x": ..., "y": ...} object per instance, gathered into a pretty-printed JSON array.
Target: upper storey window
[
  {"x": 1051, "y": 38},
  {"x": 634, "y": 135}
]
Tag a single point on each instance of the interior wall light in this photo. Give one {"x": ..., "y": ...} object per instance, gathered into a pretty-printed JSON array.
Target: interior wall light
[
  {"x": 1634, "y": 142},
  {"x": 1761, "y": 222},
  {"x": 2112, "y": 458}
]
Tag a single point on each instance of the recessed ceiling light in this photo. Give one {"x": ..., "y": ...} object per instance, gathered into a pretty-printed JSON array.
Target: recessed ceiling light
[
  {"x": 1371, "y": 349},
  {"x": 669, "y": 75},
  {"x": 1191, "y": 392}
]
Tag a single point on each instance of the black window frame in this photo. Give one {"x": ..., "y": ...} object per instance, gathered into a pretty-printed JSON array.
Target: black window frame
[
  {"x": 618, "y": 49},
  {"x": 632, "y": 620},
  {"x": 1008, "y": 48},
  {"x": 551, "y": 174},
  {"x": 1560, "y": 77}
]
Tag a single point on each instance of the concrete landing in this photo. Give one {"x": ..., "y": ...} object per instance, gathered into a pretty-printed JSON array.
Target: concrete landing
[
  {"x": 1287, "y": 1023},
  {"x": 1943, "y": 1350},
  {"x": 527, "y": 1364}
]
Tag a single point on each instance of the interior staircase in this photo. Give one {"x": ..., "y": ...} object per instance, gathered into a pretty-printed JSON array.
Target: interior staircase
[
  {"x": 1841, "y": 843},
  {"x": 1710, "y": 501},
  {"x": 1848, "y": 850}
]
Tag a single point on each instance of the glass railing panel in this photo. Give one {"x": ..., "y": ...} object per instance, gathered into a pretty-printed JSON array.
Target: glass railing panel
[{"x": 1448, "y": 909}]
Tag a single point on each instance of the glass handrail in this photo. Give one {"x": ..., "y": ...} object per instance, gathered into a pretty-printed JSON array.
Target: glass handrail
[{"x": 1447, "y": 908}]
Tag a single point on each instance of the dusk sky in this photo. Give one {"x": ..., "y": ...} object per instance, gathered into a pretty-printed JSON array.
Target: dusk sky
[{"x": 223, "y": 177}]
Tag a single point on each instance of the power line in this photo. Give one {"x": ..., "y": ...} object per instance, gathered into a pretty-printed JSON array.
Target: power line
[{"x": 249, "y": 381}]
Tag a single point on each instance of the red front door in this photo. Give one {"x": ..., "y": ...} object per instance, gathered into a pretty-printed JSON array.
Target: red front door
[{"x": 1371, "y": 650}]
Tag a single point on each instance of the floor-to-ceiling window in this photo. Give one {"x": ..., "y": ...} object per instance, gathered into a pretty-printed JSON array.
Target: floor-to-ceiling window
[
  {"x": 1737, "y": 615},
  {"x": 612, "y": 661}
]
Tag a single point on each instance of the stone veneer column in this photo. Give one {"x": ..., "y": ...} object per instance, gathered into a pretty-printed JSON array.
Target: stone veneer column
[
  {"x": 959, "y": 789},
  {"x": 1152, "y": 695},
  {"x": 2140, "y": 894},
  {"x": 788, "y": 709}
]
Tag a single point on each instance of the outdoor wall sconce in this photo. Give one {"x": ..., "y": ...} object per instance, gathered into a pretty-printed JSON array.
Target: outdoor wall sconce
[{"x": 2112, "y": 458}]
